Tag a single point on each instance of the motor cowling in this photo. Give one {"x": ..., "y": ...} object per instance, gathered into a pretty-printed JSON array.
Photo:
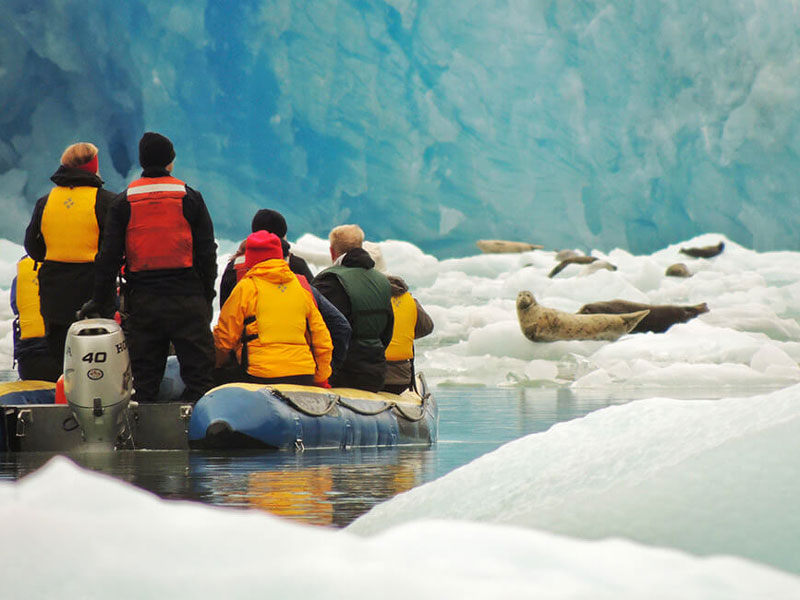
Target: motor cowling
[{"x": 97, "y": 379}]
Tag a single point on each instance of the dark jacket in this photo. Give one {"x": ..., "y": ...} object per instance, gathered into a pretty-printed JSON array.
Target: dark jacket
[
  {"x": 400, "y": 372},
  {"x": 195, "y": 280},
  {"x": 365, "y": 364},
  {"x": 64, "y": 287},
  {"x": 337, "y": 325}
]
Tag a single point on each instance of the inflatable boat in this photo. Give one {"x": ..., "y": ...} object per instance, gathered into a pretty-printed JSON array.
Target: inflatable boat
[
  {"x": 246, "y": 415},
  {"x": 97, "y": 412}
]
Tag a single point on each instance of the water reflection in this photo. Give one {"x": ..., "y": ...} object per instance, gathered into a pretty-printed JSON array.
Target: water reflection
[{"x": 318, "y": 487}]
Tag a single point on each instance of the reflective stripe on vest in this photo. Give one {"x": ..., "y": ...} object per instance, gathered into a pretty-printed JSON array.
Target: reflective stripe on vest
[
  {"x": 31, "y": 324},
  {"x": 239, "y": 267},
  {"x": 405, "y": 320},
  {"x": 158, "y": 235},
  {"x": 69, "y": 225}
]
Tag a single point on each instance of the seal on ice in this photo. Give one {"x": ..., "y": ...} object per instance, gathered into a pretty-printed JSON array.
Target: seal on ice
[
  {"x": 661, "y": 317},
  {"x": 541, "y": 324},
  {"x": 703, "y": 251},
  {"x": 505, "y": 246}
]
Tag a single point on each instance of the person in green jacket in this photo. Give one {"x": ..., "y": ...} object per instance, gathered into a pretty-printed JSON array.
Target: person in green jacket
[{"x": 364, "y": 296}]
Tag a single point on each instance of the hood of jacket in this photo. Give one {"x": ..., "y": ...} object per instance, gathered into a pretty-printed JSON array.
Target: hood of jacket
[
  {"x": 358, "y": 257},
  {"x": 399, "y": 286},
  {"x": 274, "y": 270},
  {"x": 70, "y": 177}
]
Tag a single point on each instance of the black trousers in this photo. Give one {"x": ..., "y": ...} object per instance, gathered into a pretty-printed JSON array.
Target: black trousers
[
  {"x": 56, "y": 335},
  {"x": 155, "y": 320},
  {"x": 41, "y": 367}
]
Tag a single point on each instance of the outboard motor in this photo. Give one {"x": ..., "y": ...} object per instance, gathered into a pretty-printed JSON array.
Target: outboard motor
[{"x": 97, "y": 380}]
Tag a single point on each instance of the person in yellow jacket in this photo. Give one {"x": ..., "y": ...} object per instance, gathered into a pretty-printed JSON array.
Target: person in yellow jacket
[
  {"x": 273, "y": 321},
  {"x": 411, "y": 322}
]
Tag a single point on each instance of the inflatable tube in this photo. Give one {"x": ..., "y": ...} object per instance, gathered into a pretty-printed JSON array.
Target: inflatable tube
[
  {"x": 245, "y": 415},
  {"x": 27, "y": 392}
]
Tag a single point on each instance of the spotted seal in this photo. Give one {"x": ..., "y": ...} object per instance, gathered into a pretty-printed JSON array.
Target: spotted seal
[
  {"x": 661, "y": 317},
  {"x": 572, "y": 260},
  {"x": 703, "y": 251},
  {"x": 505, "y": 247},
  {"x": 540, "y": 324},
  {"x": 678, "y": 270},
  {"x": 597, "y": 265}
]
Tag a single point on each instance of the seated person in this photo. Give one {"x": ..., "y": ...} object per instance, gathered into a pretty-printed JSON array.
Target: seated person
[
  {"x": 364, "y": 297},
  {"x": 273, "y": 321},
  {"x": 337, "y": 325},
  {"x": 411, "y": 322},
  {"x": 264, "y": 220},
  {"x": 31, "y": 352}
]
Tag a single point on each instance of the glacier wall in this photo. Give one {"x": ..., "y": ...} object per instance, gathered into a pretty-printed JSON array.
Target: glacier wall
[{"x": 593, "y": 124}]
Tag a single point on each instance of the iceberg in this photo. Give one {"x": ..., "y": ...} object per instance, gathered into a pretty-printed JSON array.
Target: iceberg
[
  {"x": 60, "y": 519},
  {"x": 706, "y": 477},
  {"x": 599, "y": 124}
]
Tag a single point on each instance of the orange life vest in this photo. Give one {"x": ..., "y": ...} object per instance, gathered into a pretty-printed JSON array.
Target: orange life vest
[
  {"x": 158, "y": 235},
  {"x": 239, "y": 267}
]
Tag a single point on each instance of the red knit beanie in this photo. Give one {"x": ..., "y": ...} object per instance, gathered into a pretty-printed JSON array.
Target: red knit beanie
[{"x": 261, "y": 245}]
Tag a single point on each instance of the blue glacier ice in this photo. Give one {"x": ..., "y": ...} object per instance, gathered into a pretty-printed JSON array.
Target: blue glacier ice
[{"x": 593, "y": 124}]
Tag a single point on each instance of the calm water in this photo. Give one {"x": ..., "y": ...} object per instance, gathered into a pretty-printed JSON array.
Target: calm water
[{"x": 334, "y": 487}]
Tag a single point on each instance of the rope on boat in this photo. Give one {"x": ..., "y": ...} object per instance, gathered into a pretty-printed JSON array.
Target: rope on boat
[
  {"x": 386, "y": 406},
  {"x": 402, "y": 411},
  {"x": 333, "y": 400}
]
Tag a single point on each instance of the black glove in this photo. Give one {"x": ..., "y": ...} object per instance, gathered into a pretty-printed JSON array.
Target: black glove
[{"x": 92, "y": 310}]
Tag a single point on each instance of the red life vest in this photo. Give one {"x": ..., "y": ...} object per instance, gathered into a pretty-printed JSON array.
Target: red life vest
[
  {"x": 158, "y": 235},
  {"x": 306, "y": 286},
  {"x": 239, "y": 267}
]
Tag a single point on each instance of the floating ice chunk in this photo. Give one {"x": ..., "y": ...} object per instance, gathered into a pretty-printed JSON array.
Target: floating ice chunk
[{"x": 660, "y": 471}]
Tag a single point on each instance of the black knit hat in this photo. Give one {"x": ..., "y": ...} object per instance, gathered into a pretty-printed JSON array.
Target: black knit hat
[
  {"x": 269, "y": 220},
  {"x": 155, "y": 150}
]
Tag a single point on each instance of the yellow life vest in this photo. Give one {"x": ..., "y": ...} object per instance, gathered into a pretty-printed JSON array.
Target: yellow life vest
[
  {"x": 281, "y": 326},
  {"x": 69, "y": 224},
  {"x": 31, "y": 324},
  {"x": 405, "y": 320}
]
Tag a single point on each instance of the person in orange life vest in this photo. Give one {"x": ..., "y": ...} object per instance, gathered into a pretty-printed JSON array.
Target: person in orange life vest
[
  {"x": 411, "y": 322},
  {"x": 264, "y": 220},
  {"x": 64, "y": 233},
  {"x": 31, "y": 352},
  {"x": 162, "y": 229},
  {"x": 274, "y": 320}
]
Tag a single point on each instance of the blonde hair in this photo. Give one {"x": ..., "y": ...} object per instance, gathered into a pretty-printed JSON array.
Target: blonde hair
[
  {"x": 344, "y": 238},
  {"x": 78, "y": 154}
]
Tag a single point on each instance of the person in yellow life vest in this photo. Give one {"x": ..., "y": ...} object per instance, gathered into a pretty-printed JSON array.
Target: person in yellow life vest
[
  {"x": 273, "y": 321},
  {"x": 31, "y": 352},
  {"x": 64, "y": 234},
  {"x": 411, "y": 322}
]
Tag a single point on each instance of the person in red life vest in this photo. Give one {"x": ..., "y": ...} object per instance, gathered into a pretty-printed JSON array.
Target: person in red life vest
[
  {"x": 411, "y": 322},
  {"x": 161, "y": 228},
  {"x": 64, "y": 233},
  {"x": 264, "y": 220},
  {"x": 364, "y": 297},
  {"x": 272, "y": 321},
  {"x": 31, "y": 352}
]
